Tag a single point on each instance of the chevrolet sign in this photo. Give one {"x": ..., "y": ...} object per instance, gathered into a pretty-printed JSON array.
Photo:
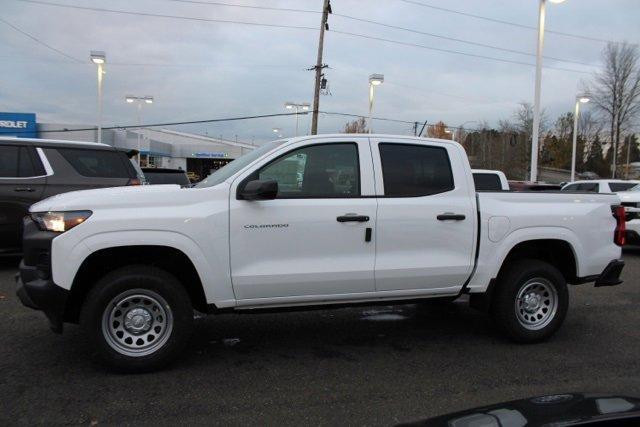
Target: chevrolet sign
[{"x": 18, "y": 124}]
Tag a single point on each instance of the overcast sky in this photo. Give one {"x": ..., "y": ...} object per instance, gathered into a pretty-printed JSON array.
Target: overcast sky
[{"x": 203, "y": 70}]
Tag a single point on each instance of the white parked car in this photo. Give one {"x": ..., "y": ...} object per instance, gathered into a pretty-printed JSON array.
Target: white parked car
[
  {"x": 600, "y": 185},
  {"x": 371, "y": 219},
  {"x": 631, "y": 201},
  {"x": 490, "y": 180}
]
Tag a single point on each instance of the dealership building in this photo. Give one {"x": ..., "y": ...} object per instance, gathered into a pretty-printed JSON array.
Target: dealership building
[{"x": 162, "y": 148}]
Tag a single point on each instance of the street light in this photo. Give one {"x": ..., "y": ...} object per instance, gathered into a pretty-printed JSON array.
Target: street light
[
  {"x": 303, "y": 106},
  {"x": 374, "y": 80},
  {"x": 581, "y": 99},
  {"x": 99, "y": 58},
  {"x": 139, "y": 100},
  {"x": 536, "y": 101}
]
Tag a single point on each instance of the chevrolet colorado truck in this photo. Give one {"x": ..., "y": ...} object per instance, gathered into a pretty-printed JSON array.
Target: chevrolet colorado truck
[{"x": 331, "y": 221}]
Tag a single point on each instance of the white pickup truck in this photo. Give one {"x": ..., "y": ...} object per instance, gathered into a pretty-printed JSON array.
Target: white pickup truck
[{"x": 330, "y": 220}]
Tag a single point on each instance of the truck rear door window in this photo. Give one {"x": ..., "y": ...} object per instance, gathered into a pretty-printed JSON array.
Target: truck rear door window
[
  {"x": 621, "y": 186},
  {"x": 589, "y": 187},
  {"x": 415, "y": 170},
  {"x": 487, "y": 182},
  {"x": 571, "y": 187},
  {"x": 98, "y": 163}
]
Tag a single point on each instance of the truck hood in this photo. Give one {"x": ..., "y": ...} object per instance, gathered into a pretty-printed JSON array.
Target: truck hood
[
  {"x": 121, "y": 197},
  {"x": 629, "y": 196}
]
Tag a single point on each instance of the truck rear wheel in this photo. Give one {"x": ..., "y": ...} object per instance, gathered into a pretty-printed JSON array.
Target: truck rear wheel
[
  {"x": 530, "y": 301},
  {"x": 138, "y": 318}
]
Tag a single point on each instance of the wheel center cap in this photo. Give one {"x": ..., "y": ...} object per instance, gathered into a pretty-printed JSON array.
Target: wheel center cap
[
  {"x": 137, "y": 320},
  {"x": 531, "y": 302}
]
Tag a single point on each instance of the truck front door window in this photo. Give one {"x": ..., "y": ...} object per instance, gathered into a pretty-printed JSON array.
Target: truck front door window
[{"x": 316, "y": 171}]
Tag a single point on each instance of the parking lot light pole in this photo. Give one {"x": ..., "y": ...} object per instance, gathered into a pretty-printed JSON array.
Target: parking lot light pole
[
  {"x": 139, "y": 100},
  {"x": 582, "y": 99},
  {"x": 303, "y": 106},
  {"x": 535, "y": 137},
  {"x": 99, "y": 58},
  {"x": 374, "y": 80}
]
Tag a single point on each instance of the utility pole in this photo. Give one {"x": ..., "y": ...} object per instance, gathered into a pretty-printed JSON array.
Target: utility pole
[
  {"x": 632, "y": 140},
  {"x": 326, "y": 10}
]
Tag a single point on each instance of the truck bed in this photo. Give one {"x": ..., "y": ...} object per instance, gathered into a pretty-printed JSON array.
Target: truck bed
[{"x": 584, "y": 220}]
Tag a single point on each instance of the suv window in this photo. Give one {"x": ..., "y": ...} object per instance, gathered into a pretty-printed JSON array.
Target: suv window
[
  {"x": 487, "y": 182},
  {"x": 316, "y": 171},
  {"x": 621, "y": 186},
  {"x": 415, "y": 170},
  {"x": 15, "y": 162},
  {"x": 9, "y": 161},
  {"x": 97, "y": 163}
]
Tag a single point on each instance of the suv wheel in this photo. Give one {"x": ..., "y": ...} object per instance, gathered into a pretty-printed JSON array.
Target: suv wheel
[
  {"x": 531, "y": 301},
  {"x": 138, "y": 318}
]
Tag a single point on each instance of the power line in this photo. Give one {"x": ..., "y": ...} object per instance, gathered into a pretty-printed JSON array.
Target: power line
[
  {"x": 453, "y": 51},
  {"x": 155, "y": 15},
  {"x": 191, "y": 122},
  {"x": 382, "y": 24},
  {"x": 500, "y": 21},
  {"x": 385, "y": 119},
  {"x": 159, "y": 15},
  {"x": 412, "y": 30},
  {"x": 461, "y": 98},
  {"x": 245, "y": 6},
  {"x": 37, "y": 40}
]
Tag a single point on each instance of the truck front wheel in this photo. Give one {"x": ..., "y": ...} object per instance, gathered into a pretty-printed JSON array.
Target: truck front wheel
[
  {"x": 138, "y": 318},
  {"x": 530, "y": 301}
]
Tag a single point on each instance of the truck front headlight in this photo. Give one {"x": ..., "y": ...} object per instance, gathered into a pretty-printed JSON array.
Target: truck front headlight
[{"x": 59, "y": 221}]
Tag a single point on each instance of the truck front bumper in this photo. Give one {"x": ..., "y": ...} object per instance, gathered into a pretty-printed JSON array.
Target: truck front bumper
[
  {"x": 34, "y": 285},
  {"x": 42, "y": 294}
]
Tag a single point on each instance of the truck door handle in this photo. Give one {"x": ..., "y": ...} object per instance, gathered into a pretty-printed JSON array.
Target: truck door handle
[
  {"x": 27, "y": 189},
  {"x": 353, "y": 218},
  {"x": 450, "y": 216}
]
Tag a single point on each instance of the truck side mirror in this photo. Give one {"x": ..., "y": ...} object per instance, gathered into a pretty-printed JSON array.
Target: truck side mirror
[{"x": 259, "y": 190}]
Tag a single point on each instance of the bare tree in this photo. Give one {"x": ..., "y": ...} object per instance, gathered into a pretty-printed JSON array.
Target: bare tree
[
  {"x": 590, "y": 129},
  {"x": 524, "y": 119},
  {"x": 356, "y": 126},
  {"x": 616, "y": 91}
]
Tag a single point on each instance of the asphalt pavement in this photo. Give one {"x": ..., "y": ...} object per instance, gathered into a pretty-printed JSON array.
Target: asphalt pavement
[{"x": 354, "y": 366}]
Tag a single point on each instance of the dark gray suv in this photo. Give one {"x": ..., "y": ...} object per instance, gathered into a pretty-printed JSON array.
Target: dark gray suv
[{"x": 34, "y": 169}]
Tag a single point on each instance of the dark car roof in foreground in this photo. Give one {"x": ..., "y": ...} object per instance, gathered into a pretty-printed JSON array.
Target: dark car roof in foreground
[{"x": 560, "y": 409}]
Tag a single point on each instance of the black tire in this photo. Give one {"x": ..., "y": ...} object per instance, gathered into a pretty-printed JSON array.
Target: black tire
[
  {"x": 519, "y": 324},
  {"x": 171, "y": 316}
]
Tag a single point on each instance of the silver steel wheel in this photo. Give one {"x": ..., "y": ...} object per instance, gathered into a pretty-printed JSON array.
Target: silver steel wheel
[
  {"x": 137, "y": 322},
  {"x": 536, "y": 303}
]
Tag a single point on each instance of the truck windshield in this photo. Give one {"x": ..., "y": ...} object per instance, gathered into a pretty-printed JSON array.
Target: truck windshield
[{"x": 231, "y": 168}]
